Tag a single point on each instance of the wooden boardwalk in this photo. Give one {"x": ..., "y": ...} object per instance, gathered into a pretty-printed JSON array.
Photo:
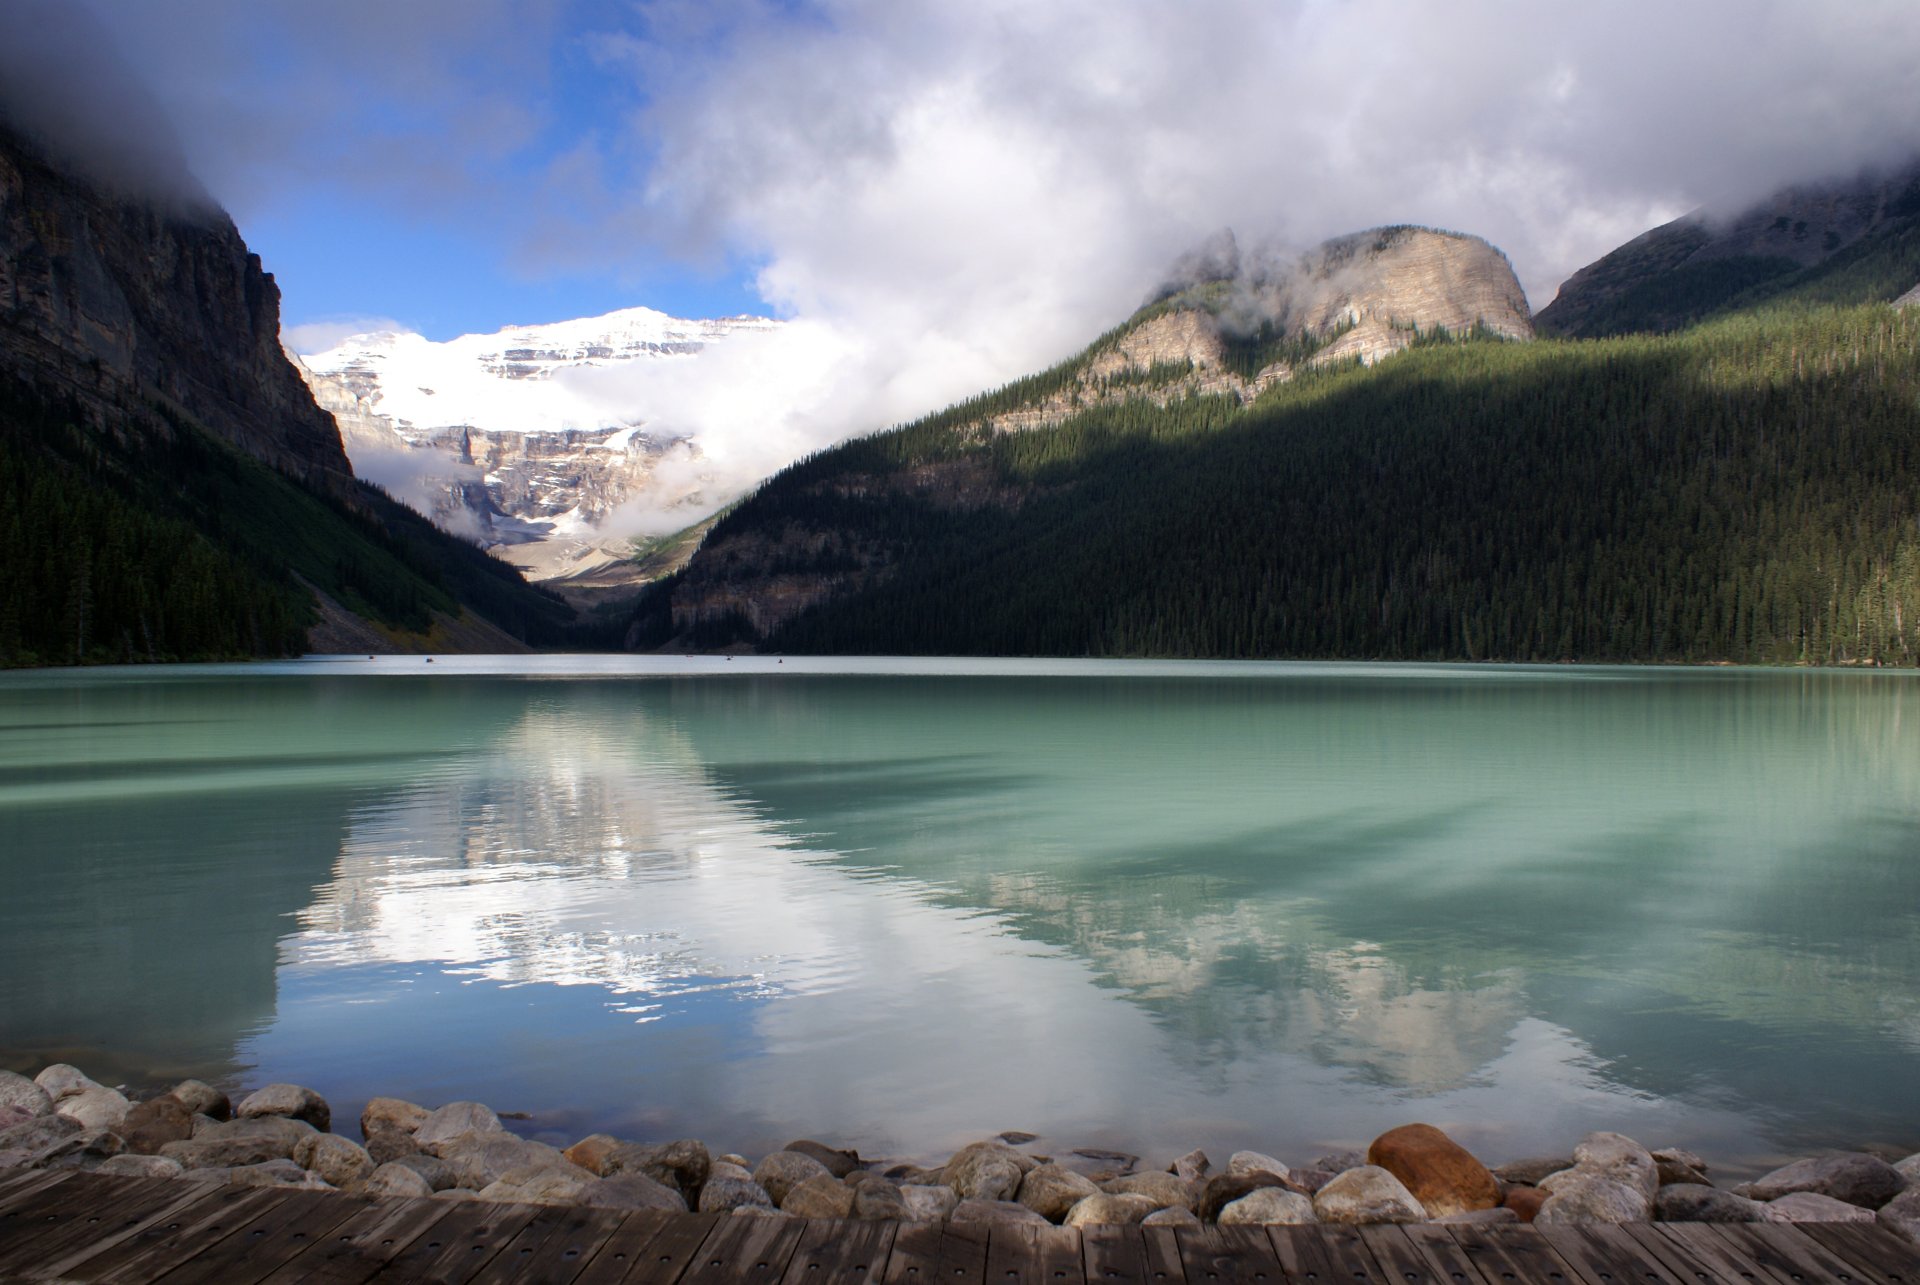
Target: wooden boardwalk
[{"x": 85, "y": 1227}]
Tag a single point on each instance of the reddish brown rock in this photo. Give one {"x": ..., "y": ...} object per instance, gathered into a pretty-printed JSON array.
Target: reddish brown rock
[
  {"x": 1525, "y": 1201},
  {"x": 1442, "y": 1175},
  {"x": 594, "y": 1152},
  {"x": 152, "y": 1124}
]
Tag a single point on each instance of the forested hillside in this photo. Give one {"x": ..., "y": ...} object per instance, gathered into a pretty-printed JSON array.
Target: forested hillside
[{"x": 1748, "y": 490}]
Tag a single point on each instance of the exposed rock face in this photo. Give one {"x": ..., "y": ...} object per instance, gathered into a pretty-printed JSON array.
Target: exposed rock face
[{"x": 119, "y": 299}]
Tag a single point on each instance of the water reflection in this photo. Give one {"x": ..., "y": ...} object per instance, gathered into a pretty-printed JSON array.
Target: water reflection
[{"x": 1284, "y": 910}]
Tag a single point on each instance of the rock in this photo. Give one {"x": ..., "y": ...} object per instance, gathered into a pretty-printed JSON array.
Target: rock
[
  {"x": 1105, "y": 1209},
  {"x": 1530, "y": 1172},
  {"x": 1310, "y": 1180},
  {"x": 334, "y": 1160},
  {"x": 1096, "y": 1165},
  {"x": 277, "y": 1131},
  {"x": 63, "y": 1081},
  {"x": 1223, "y": 1189},
  {"x": 1617, "y": 1157},
  {"x": 141, "y": 1166},
  {"x": 683, "y": 1164},
  {"x": 152, "y": 1124},
  {"x": 202, "y": 1098},
  {"x": 1480, "y": 1217},
  {"x": 273, "y": 1173},
  {"x": 1692, "y": 1203},
  {"x": 97, "y": 1107},
  {"x": 1442, "y": 1175},
  {"x": 84, "y": 1150},
  {"x": 1365, "y": 1196},
  {"x": 593, "y": 1152},
  {"x": 203, "y": 1123},
  {"x": 879, "y": 1201},
  {"x": 1673, "y": 1171},
  {"x": 759, "y": 1211},
  {"x": 989, "y": 1171},
  {"x": 395, "y": 1180},
  {"x": 479, "y": 1160},
  {"x": 1338, "y": 1162},
  {"x": 1172, "y": 1216},
  {"x": 560, "y": 1183},
  {"x": 1854, "y": 1176},
  {"x": 388, "y": 1145},
  {"x": 724, "y": 1169},
  {"x": 1050, "y": 1191},
  {"x": 1524, "y": 1201},
  {"x": 1812, "y": 1207},
  {"x": 1164, "y": 1189},
  {"x": 1194, "y": 1166},
  {"x": 1908, "y": 1168},
  {"x": 227, "y": 1153},
  {"x": 1270, "y": 1206},
  {"x": 1681, "y": 1157},
  {"x": 734, "y": 1159},
  {"x": 18, "y": 1091},
  {"x": 924, "y": 1204},
  {"x": 1904, "y": 1205},
  {"x": 37, "y": 1133},
  {"x": 391, "y": 1113},
  {"x": 819, "y": 1196},
  {"x": 781, "y": 1171},
  {"x": 455, "y": 1120},
  {"x": 289, "y": 1101},
  {"x": 438, "y": 1174},
  {"x": 994, "y": 1211},
  {"x": 721, "y": 1195},
  {"x": 10, "y": 1116},
  {"x": 1255, "y": 1162},
  {"x": 15, "y": 1158},
  {"x": 839, "y": 1163},
  {"x": 1016, "y": 1137},
  {"x": 1581, "y": 1195},
  {"x": 632, "y": 1191}
]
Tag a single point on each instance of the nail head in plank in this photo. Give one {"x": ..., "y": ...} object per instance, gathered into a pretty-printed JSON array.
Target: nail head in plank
[
  {"x": 1027, "y": 1254},
  {"x": 1888, "y": 1254},
  {"x": 1324, "y": 1252},
  {"x": 618, "y": 1257},
  {"x": 458, "y": 1245},
  {"x": 562, "y": 1254},
  {"x": 1114, "y": 1255},
  {"x": 1790, "y": 1253},
  {"x": 949, "y": 1253},
  {"x": 1449, "y": 1258},
  {"x": 1405, "y": 1262},
  {"x": 744, "y": 1248},
  {"x": 1518, "y": 1254},
  {"x": 282, "y": 1232},
  {"x": 1683, "y": 1264},
  {"x": 164, "y": 1244},
  {"x": 1606, "y": 1254},
  {"x": 1164, "y": 1266},
  {"x": 105, "y": 1217},
  {"x": 352, "y": 1252},
  {"x": 1216, "y": 1253},
  {"x": 1718, "y": 1253},
  {"x": 842, "y": 1251}
]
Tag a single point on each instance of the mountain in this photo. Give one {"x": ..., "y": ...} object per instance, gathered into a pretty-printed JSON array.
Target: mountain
[
  {"x": 522, "y": 440},
  {"x": 168, "y": 487},
  {"x": 1211, "y": 479},
  {"x": 1857, "y": 239}
]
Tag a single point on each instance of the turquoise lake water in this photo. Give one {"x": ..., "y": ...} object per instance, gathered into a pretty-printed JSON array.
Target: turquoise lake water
[{"x": 902, "y": 904}]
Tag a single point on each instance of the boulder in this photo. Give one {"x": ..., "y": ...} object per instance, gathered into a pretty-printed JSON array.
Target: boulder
[
  {"x": 1442, "y": 1175},
  {"x": 1338, "y": 1162},
  {"x": 479, "y": 1160},
  {"x": 388, "y": 1145},
  {"x": 879, "y": 1201},
  {"x": 335, "y": 1160},
  {"x": 84, "y": 1150},
  {"x": 1529, "y": 1172},
  {"x": 781, "y": 1171},
  {"x": 1104, "y": 1209},
  {"x": 129, "y": 1165},
  {"x": 454, "y": 1120},
  {"x": 1050, "y": 1191},
  {"x": 727, "y": 1169},
  {"x": 1310, "y": 1180},
  {"x": 682, "y": 1164},
  {"x": 1680, "y": 1158},
  {"x": 1172, "y": 1216},
  {"x": 1271, "y": 1206},
  {"x": 391, "y": 1113},
  {"x": 1223, "y": 1189},
  {"x": 437, "y": 1173},
  {"x": 278, "y": 1131},
  {"x": 723, "y": 1195},
  {"x": 1901, "y": 1215},
  {"x": 1524, "y": 1201},
  {"x": 1616, "y": 1157},
  {"x": 924, "y": 1204},
  {"x": 1494, "y": 1217},
  {"x": 1194, "y": 1166},
  {"x": 228, "y": 1153},
  {"x": 1908, "y": 1168},
  {"x": 36, "y": 1133},
  {"x": 202, "y": 1098},
  {"x": 154, "y": 1123},
  {"x": 632, "y": 1191},
  {"x": 594, "y": 1152},
  {"x": 1854, "y": 1176},
  {"x": 1164, "y": 1189},
  {"x": 1691, "y": 1203},
  {"x": 63, "y": 1081},
  {"x": 395, "y": 1180},
  {"x": 819, "y": 1196},
  {"x": 1255, "y": 1162},
  {"x": 759, "y": 1211},
  {"x": 10, "y": 1116},
  {"x": 1812, "y": 1207},
  {"x": 1592, "y": 1196},
  {"x": 1673, "y": 1172},
  {"x": 1097, "y": 1165},
  {"x": 559, "y": 1183},
  {"x": 18, "y": 1091},
  {"x": 839, "y": 1163},
  {"x": 1365, "y": 1196},
  {"x": 96, "y": 1107},
  {"x": 456, "y": 1194},
  {"x": 995, "y": 1211},
  {"x": 288, "y": 1101},
  {"x": 274, "y": 1173}
]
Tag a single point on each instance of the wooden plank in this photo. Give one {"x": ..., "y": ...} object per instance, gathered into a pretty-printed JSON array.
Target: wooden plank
[
  {"x": 554, "y": 1246},
  {"x": 1402, "y": 1261},
  {"x": 950, "y": 1253},
  {"x": 1218, "y": 1253},
  {"x": 17, "y": 1184},
  {"x": 842, "y": 1250},
  {"x": 1519, "y": 1254},
  {"x": 1114, "y": 1255},
  {"x": 1788, "y": 1252},
  {"x": 1445, "y": 1254},
  {"x": 375, "y": 1235},
  {"x": 1682, "y": 1263},
  {"x": 1324, "y": 1252},
  {"x": 616, "y": 1257},
  {"x": 172, "y": 1197},
  {"x": 43, "y": 1209},
  {"x": 1716, "y": 1254},
  {"x": 750, "y": 1248},
  {"x": 1163, "y": 1255},
  {"x": 459, "y": 1244},
  {"x": 1026, "y": 1254},
  {"x": 1604, "y": 1254},
  {"x": 104, "y": 1217},
  {"x": 1887, "y": 1254},
  {"x": 278, "y": 1234},
  {"x": 164, "y": 1244}
]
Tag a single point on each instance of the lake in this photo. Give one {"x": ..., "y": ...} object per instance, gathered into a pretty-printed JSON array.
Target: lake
[{"x": 900, "y": 904}]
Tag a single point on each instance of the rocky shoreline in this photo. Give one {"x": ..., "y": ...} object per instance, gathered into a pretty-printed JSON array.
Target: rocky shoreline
[{"x": 282, "y": 1136}]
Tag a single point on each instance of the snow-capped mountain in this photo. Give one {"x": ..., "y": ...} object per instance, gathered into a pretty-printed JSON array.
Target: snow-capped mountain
[{"x": 534, "y": 440}]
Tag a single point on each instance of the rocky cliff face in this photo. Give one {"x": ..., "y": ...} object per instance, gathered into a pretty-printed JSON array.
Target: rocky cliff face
[{"x": 121, "y": 301}]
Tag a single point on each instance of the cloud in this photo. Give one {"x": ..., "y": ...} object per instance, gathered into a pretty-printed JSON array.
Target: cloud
[{"x": 319, "y": 335}]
